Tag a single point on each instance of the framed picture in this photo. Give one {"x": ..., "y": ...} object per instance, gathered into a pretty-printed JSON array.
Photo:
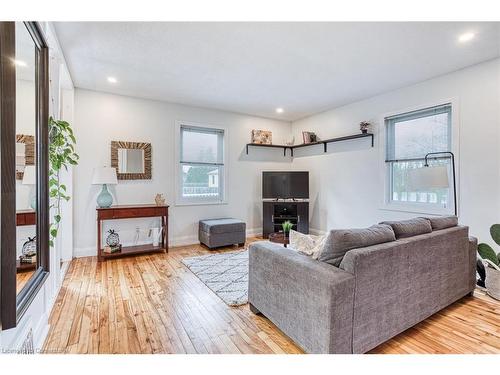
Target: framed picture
[
  {"x": 262, "y": 137},
  {"x": 309, "y": 137}
]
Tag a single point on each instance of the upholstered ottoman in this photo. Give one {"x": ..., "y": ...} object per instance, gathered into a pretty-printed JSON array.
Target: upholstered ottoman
[{"x": 221, "y": 232}]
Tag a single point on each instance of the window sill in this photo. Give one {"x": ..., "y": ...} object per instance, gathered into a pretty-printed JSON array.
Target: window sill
[
  {"x": 416, "y": 210},
  {"x": 180, "y": 204}
]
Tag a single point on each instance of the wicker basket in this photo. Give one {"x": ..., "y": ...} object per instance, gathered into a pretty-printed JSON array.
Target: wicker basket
[{"x": 492, "y": 281}]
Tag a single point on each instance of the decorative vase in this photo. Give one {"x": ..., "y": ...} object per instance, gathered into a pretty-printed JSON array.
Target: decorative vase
[
  {"x": 113, "y": 238},
  {"x": 155, "y": 233},
  {"x": 492, "y": 282},
  {"x": 29, "y": 247},
  {"x": 104, "y": 199},
  {"x": 159, "y": 200},
  {"x": 363, "y": 126}
]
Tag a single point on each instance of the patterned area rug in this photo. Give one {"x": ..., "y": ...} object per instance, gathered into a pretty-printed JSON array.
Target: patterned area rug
[{"x": 225, "y": 273}]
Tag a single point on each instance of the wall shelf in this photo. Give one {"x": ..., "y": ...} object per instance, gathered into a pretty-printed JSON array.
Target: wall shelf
[{"x": 322, "y": 142}]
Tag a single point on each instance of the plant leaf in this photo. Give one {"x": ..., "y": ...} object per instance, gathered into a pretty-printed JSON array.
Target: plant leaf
[
  {"x": 487, "y": 252},
  {"x": 495, "y": 233}
]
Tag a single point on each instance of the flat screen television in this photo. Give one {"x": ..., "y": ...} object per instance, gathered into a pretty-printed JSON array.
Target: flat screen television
[{"x": 285, "y": 185}]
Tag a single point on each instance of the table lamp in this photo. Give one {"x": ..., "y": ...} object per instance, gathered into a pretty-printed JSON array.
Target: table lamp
[
  {"x": 29, "y": 178},
  {"x": 104, "y": 176}
]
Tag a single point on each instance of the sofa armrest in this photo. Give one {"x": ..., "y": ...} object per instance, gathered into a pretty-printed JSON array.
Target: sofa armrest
[{"x": 309, "y": 300}]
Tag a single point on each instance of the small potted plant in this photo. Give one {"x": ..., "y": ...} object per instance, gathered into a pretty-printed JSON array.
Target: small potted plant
[
  {"x": 491, "y": 263},
  {"x": 287, "y": 226},
  {"x": 363, "y": 126}
]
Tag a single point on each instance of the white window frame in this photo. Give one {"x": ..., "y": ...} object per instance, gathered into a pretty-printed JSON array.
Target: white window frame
[
  {"x": 223, "y": 179},
  {"x": 385, "y": 168}
]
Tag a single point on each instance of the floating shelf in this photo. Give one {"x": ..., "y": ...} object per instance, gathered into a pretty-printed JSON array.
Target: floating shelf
[{"x": 323, "y": 142}]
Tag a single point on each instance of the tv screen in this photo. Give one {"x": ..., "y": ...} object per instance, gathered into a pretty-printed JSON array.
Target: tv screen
[{"x": 285, "y": 185}]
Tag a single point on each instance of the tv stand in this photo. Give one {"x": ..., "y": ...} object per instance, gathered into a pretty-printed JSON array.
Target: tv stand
[{"x": 276, "y": 212}]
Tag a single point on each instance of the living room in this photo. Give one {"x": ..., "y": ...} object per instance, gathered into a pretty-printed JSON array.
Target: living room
[{"x": 250, "y": 187}]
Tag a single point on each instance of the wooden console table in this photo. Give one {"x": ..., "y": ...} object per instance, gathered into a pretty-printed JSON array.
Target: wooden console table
[
  {"x": 132, "y": 212},
  {"x": 25, "y": 217}
]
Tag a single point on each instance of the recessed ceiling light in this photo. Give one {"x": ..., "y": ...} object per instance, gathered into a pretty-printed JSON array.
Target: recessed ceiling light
[
  {"x": 112, "y": 80},
  {"x": 20, "y": 63},
  {"x": 465, "y": 37},
  {"x": 279, "y": 110}
]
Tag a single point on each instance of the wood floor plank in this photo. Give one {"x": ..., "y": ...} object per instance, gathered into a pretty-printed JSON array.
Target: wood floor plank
[{"x": 154, "y": 304}]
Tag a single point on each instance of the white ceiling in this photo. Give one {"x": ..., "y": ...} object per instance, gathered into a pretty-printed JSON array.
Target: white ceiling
[{"x": 255, "y": 67}]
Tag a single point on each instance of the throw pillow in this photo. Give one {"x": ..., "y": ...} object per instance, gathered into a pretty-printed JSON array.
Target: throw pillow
[
  {"x": 340, "y": 241},
  {"x": 410, "y": 228},
  {"x": 306, "y": 244},
  {"x": 443, "y": 222}
]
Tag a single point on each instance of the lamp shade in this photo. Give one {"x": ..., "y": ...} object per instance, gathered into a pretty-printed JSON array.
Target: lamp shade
[
  {"x": 29, "y": 176},
  {"x": 104, "y": 175},
  {"x": 428, "y": 178}
]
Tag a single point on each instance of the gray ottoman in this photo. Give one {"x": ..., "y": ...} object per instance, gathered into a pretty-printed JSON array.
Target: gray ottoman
[{"x": 221, "y": 232}]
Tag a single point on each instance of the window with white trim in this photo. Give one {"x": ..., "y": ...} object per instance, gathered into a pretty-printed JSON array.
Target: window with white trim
[
  {"x": 409, "y": 138},
  {"x": 201, "y": 167}
]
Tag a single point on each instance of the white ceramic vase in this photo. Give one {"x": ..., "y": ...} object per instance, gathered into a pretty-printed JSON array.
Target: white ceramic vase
[{"x": 155, "y": 232}]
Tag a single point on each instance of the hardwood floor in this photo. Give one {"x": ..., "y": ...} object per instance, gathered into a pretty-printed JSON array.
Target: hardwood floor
[
  {"x": 154, "y": 304},
  {"x": 21, "y": 279}
]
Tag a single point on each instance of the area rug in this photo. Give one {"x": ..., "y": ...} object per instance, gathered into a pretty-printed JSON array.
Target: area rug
[{"x": 226, "y": 274}]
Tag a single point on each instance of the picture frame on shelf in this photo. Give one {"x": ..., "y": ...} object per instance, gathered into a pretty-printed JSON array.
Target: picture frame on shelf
[
  {"x": 262, "y": 137},
  {"x": 309, "y": 137}
]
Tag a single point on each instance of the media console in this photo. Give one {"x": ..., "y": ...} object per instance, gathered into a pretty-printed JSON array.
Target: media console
[{"x": 277, "y": 212}]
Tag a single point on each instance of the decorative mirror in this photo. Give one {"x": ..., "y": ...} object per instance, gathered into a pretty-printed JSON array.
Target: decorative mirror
[
  {"x": 132, "y": 160},
  {"x": 24, "y": 212},
  {"x": 25, "y": 153}
]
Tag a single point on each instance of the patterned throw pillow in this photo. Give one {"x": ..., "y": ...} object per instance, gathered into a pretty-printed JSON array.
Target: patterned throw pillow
[{"x": 306, "y": 244}]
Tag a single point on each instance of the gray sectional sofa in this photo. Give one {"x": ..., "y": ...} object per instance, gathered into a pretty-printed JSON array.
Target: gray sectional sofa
[{"x": 375, "y": 293}]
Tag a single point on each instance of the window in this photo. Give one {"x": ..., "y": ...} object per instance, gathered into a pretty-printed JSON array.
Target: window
[
  {"x": 201, "y": 175},
  {"x": 410, "y": 136}
]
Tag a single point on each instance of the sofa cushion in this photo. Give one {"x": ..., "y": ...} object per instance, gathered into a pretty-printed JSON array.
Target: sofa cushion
[
  {"x": 226, "y": 225},
  {"x": 340, "y": 241},
  {"x": 443, "y": 222},
  {"x": 410, "y": 228}
]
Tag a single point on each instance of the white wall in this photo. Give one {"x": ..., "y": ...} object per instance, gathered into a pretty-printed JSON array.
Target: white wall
[
  {"x": 25, "y": 124},
  {"x": 347, "y": 183},
  {"x": 101, "y": 118}
]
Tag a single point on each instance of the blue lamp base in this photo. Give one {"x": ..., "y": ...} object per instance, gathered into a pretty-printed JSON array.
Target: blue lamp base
[{"x": 104, "y": 199}]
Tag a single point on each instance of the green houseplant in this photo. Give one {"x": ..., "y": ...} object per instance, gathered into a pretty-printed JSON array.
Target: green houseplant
[
  {"x": 61, "y": 155},
  {"x": 492, "y": 263},
  {"x": 287, "y": 226}
]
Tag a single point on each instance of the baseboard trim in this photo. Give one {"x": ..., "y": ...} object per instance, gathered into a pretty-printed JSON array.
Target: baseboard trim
[
  {"x": 42, "y": 329},
  {"x": 81, "y": 252}
]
